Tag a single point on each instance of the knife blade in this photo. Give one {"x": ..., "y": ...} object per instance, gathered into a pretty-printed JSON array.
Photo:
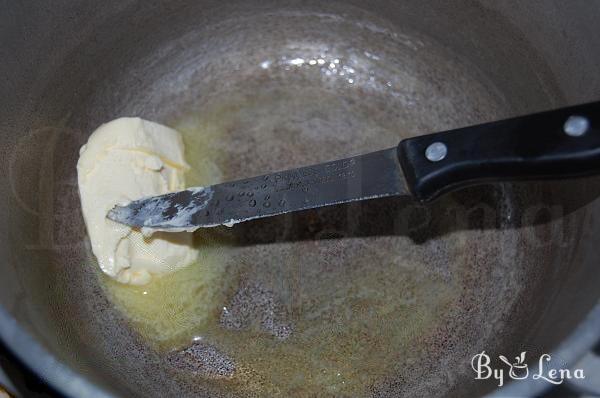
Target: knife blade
[
  {"x": 561, "y": 143},
  {"x": 373, "y": 175}
]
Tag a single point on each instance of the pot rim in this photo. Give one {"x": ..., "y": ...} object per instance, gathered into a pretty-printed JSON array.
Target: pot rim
[
  {"x": 72, "y": 384},
  {"x": 580, "y": 341},
  {"x": 43, "y": 364}
]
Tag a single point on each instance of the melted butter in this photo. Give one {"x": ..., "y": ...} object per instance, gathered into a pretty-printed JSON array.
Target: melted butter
[
  {"x": 170, "y": 309},
  {"x": 350, "y": 330},
  {"x": 174, "y": 307},
  {"x": 342, "y": 345}
]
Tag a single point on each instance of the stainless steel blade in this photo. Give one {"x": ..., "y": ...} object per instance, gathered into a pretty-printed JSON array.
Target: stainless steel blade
[{"x": 368, "y": 176}]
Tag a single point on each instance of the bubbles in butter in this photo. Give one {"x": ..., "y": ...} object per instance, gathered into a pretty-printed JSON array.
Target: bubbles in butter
[{"x": 350, "y": 325}]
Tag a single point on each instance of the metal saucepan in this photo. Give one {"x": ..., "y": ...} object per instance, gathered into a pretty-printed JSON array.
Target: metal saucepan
[{"x": 268, "y": 85}]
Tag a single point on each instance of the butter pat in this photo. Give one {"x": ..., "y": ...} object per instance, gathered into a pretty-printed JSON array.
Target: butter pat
[{"x": 124, "y": 160}]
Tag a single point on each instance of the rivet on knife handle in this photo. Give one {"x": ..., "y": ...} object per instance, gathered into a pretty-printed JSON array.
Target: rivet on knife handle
[
  {"x": 548, "y": 145},
  {"x": 554, "y": 144}
]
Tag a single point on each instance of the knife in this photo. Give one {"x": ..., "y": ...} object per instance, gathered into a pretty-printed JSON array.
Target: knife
[{"x": 554, "y": 144}]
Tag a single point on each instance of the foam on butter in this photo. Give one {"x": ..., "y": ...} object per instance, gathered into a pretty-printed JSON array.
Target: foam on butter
[{"x": 124, "y": 160}]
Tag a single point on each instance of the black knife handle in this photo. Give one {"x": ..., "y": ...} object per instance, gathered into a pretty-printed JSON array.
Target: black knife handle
[{"x": 546, "y": 145}]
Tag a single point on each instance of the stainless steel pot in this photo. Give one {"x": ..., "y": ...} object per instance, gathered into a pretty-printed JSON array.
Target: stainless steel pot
[{"x": 529, "y": 278}]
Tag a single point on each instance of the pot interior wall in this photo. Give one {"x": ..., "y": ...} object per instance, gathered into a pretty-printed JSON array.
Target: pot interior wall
[{"x": 242, "y": 71}]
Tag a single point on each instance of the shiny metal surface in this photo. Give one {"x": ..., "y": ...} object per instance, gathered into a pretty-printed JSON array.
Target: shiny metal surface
[
  {"x": 370, "y": 176},
  {"x": 69, "y": 66}
]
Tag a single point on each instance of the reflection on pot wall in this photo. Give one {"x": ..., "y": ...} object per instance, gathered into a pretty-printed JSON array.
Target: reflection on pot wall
[{"x": 255, "y": 87}]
